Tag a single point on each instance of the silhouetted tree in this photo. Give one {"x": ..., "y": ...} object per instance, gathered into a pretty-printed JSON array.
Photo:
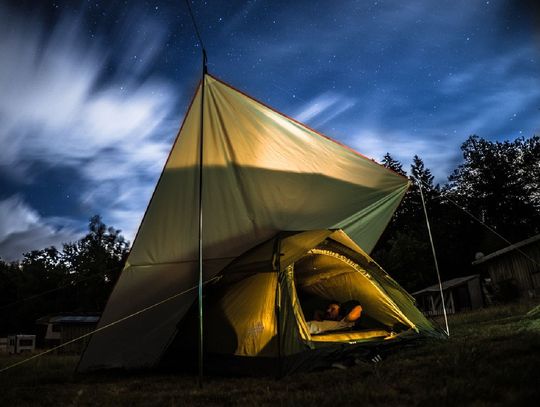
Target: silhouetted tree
[
  {"x": 95, "y": 262},
  {"x": 530, "y": 169},
  {"x": 78, "y": 278},
  {"x": 498, "y": 183},
  {"x": 404, "y": 249},
  {"x": 389, "y": 162}
]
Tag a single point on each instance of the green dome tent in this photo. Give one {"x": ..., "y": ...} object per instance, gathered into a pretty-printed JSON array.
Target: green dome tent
[{"x": 277, "y": 198}]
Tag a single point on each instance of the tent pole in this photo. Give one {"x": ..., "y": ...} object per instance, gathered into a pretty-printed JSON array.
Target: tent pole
[
  {"x": 434, "y": 258},
  {"x": 200, "y": 291},
  {"x": 277, "y": 268},
  {"x": 278, "y": 311}
]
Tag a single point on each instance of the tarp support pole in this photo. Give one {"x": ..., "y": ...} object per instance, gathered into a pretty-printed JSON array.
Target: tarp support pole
[
  {"x": 434, "y": 257},
  {"x": 204, "y": 72},
  {"x": 200, "y": 291}
]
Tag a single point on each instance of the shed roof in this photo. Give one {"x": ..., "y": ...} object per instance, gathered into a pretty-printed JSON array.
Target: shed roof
[
  {"x": 69, "y": 319},
  {"x": 447, "y": 284},
  {"x": 507, "y": 249}
]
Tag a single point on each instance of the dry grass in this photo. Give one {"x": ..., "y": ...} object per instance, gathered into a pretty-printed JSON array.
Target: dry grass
[{"x": 492, "y": 358}]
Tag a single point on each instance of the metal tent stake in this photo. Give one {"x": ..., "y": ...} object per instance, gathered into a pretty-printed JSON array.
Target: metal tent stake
[{"x": 434, "y": 257}]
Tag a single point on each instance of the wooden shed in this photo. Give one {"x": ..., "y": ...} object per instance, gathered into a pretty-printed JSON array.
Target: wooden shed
[
  {"x": 460, "y": 294},
  {"x": 514, "y": 272},
  {"x": 62, "y": 328}
]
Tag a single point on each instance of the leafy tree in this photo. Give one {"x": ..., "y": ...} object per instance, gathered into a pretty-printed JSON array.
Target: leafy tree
[
  {"x": 529, "y": 168},
  {"x": 78, "y": 278},
  {"x": 498, "y": 183},
  {"x": 10, "y": 286},
  {"x": 34, "y": 278},
  {"x": 95, "y": 262}
]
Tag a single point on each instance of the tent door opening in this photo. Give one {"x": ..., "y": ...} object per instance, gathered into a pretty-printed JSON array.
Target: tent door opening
[{"x": 326, "y": 274}]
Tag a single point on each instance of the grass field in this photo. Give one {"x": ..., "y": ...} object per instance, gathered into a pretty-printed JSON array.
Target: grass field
[{"x": 491, "y": 358}]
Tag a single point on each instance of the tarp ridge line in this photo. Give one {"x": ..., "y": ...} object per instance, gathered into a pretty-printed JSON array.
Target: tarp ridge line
[{"x": 306, "y": 126}]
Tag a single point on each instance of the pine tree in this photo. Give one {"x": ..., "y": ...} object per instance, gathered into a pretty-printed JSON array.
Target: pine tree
[
  {"x": 404, "y": 249},
  {"x": 389, "y": 162}
]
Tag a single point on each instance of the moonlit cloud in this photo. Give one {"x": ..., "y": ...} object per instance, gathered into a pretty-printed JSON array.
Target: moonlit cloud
[
  {"x": 376, "y": 143},
  {"x": 56, "y": 109},
  {"x": 126, "y": 202},
  {"x": 22, "y": 229},
  {"x": 490, "y": 99},
  {"x": 324, "y": 108}
]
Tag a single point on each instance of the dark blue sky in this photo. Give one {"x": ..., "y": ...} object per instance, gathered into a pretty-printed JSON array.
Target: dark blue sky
[{"x": 92, "y": 93}]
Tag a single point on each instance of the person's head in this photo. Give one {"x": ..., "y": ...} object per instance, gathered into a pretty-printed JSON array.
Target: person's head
[{"x": 332, "y": 310}]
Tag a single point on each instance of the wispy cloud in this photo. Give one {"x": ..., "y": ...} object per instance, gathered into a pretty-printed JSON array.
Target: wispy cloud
[
  {"x": 126, "y": 201},
  {"x": 60, "y": 105},
  {"x": 22, "y": 229},
  {"x": 491, "y": 99},
  {"x": 434, "y": 151},
  {"x": 324, "y": 108},
  {"x": 494, "y": 97},
  {"x": 53, "y": 107}
]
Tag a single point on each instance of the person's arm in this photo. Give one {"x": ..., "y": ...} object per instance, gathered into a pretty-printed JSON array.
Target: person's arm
[{"x": 355, "y": 314}]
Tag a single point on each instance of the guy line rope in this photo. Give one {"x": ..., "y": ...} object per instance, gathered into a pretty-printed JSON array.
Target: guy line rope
[
  {"x": 485, "y": 225},
  {"x": 434, "y": 259},
  {"x": 419, "y": 183},
  {"x": 106, "y": 326}
]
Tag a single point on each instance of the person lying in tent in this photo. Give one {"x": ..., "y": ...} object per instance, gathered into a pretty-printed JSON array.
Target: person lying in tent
[
  {"x": 348, "y": 315},
  {"x": 337, "y": 317},
  {"x": 349, "y": 311}
]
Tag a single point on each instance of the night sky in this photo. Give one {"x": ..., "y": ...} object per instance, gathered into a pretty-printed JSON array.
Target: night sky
[{"x": 92, "y": 93}]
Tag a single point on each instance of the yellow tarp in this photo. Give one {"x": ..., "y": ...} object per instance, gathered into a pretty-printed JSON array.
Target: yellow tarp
[{"x": 262, "y": 173}]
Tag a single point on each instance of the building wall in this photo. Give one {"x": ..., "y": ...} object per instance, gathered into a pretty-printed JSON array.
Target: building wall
[
  {"x": 475, "y": 292},
  {"x": 464, "y": 297},
  {"x": 431, "y": 303},
  {"x": 517, "y": 267},
  {"x": 53, "y": 332},
  {"x": 70, "y": 332}
]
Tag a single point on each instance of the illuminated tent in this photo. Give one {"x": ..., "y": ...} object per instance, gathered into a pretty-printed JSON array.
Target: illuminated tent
[{"x": 276, "y": 196}]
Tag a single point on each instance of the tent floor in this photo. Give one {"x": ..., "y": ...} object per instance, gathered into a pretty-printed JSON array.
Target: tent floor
[{"x": 352, "y": 336}]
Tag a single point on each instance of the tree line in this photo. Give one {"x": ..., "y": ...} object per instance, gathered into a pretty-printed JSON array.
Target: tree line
[
  {"x": 78, "y": 278},
  {"x": 497, "y": 184}
]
